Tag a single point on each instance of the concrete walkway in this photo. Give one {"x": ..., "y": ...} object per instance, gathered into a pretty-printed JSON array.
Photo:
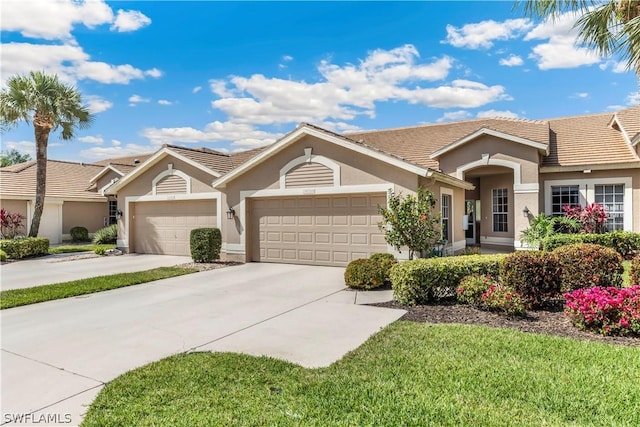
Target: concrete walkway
[
  {"x": 57, "y": 356},
  {"x": 59, "y": 268}
]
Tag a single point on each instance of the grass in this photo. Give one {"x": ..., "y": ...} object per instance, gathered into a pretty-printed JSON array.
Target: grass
[
  {"x": 18, "y": 297},
  {"x": 408, "y": 374},
  {"x": 65, "y": 249}
]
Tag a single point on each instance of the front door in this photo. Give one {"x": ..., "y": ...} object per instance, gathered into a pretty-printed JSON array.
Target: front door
[{"x": 470, "y": 212}]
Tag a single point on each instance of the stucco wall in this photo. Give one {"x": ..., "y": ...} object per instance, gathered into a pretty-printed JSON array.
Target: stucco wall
[
  {"x": 84, "y": 214},
  {"x": 14, "y": 206},
  {"x": 487, "y": 184},
  {"x": 594, "y": 176},
  {"x": 106, "y": 179}
]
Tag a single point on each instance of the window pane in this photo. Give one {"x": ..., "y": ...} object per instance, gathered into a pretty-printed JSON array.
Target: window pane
[
  {"x": 500, "y": 209},
  {"x": 611, "y": 197}
]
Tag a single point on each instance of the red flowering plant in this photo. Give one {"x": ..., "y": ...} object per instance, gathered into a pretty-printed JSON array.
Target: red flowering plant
[
  {"x": 592, "y": 217},
  {"x": 10, "y": 224},
  {"x": 502, "y": 298},
  {"x": 606, "y": 310}
]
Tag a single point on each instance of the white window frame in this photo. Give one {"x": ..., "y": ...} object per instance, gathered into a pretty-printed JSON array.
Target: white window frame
[
  {"x": 604, "y": 203},
  {"x": 587, "y": 194},
  {"x": 561, "y": 211},
  {"x": 504, "y": 212}
]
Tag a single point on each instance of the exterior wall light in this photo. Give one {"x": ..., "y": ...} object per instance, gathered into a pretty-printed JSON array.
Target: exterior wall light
[
  {"x": 118, "y": 213},
  {"x": 231, "y": 213},
  {"x": 526, "y": 212}
]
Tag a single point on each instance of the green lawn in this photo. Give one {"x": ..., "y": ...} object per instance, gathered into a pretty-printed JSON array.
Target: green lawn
[
  {"x": 408, "y": 374},
  {"x": 18, "y": 297},
  {"x": 65, "y": 249}
]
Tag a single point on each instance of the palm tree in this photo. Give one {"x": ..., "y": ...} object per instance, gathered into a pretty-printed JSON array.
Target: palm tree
[
  {"x": 608, "y": 26},
  {"x": 50, "y": 105}
]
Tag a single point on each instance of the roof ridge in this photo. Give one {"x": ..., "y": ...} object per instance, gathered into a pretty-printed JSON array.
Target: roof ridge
[{"x": 200, "y": 149}]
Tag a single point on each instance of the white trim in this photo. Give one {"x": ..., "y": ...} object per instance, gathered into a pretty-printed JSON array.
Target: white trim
[
  {"x": 346, "y": 189},
  {"x": 544, "y": 148},
  {"x": 310, "y": 158},
  {"x": 448, "y": 192},
  {"x": 593, "y": 167},
  {"x": 497, "y": 241},
  {"x": 216, "y": 195},
  {"x": 459, "y": 245},
  {"x": 158, "y": 156},
  {"x": 233, "y": 249},
  {"x": 103, "y": 171},
  {"x": 623, "y": 131},
  {"x": 170, "y": 171},
  {"x": 526, "y": 188},
  {"x": 334, "y": 139},
  {"x": 486, "y": 160},
  {"x": 587, "y": 194}
]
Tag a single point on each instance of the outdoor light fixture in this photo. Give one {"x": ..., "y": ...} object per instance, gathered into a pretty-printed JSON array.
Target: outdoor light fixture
[
  {"x": 231, "y": 213},
  {"x": 526, "y": 212},
  {"x": 118, "y": 213}
]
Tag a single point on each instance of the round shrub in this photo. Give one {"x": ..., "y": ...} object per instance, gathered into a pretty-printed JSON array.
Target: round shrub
[
  {"x": 504, "y": 299},
  {"x": 205, "y": 244},
  {"x": 585, "y": 265},
  {"x": 382, "y": 263},
  {"x": 3, "y": 256},
  {"x": 105, "y": 235},
  {"x": 363, "y": 274},
  {"x": 535, "y": 275},
  {"x": 609, "y": 311},
  {"x": 634, "y": 272},
  {"x": 79, "y": 234},
  {"x": 472, "y": 287}
]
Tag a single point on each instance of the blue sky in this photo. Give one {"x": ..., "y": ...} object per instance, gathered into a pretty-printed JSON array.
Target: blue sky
[{"x": 237, "y": 75}]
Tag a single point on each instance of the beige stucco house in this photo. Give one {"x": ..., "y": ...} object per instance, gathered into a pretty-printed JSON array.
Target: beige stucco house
[
  {"x": 74, "y": 194},
  {"x": 312, "y": 197}
]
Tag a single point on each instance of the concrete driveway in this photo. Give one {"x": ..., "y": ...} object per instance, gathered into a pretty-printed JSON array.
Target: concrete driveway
[
  {"x": 59, "y": 268},
  {"x": 56, "y": 356}
]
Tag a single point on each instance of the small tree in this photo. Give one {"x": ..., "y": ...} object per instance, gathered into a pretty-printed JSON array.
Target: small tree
[
  {"x": 410, "y": 221},
  {"x": 13, "y": 157}
]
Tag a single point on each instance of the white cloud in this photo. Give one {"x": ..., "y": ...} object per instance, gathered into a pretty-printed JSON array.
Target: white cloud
[
  {"x": 137, "y": 99},
  {"x": 511, "y": 61},
  {"x": 580, "y": 95},
  {"x": 26, "y": 147},
  {"x": 129, "y": 20},
  {"x": 116, "y": 143},
  {"x": 71, "y": 63},
  {"x": 98, "y": 140},
  {"x": 196, "y": 89},
  {"x": 219, "y": 87},
  {"x": 461, "y": 93},
  {"x": 98, "y": 153},
  {"x": 454, "y": 115},
  {"x": 633, "y": 98},
  {"x": 481, "y": 35},
  {"x": 497, "y": 113},
  {"x": 164, "y": 102},
  {"x": 97, "y": 104},
  {"x": 562, "y": 49},
  {"x": 154, "y": 72},
  {"x": 617, "y": 67},
  {"x": 287, "y": 58}
]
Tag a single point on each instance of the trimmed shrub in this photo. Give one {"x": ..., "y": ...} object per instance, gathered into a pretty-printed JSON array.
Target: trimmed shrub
[
  {"x": 205, "y": 244},
  {"x": 535, "y": 275},
  {"x": 22, "y": 248},
  {"x": 3, "y": 256},
  {"x": 585, "y": 265},
  {"x": 472, "y": 287},
  {"x": 626, "y": 243},
  {"x": 100, "y": 250},
  {"x": 502, "y": 298},
  {"x": 424, "y": 280},
  {"x": 105, "y": 235},
  {"x": 79, "y": 234},
  {"x": 609, "y": 311},
  {"x": 382, "y": 263},
  {"x": 362, "y": 274},
  {"x": 634, "y": 271}
]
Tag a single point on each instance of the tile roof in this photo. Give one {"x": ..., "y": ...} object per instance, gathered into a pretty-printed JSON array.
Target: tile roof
[
  {"x": 124, "y": 161},
  {"x": 415, "y": 144},
  {"x": 241, "y": 157},
  {"x": 589, "y": 140},
  {"x": 211, "y": 159},
  {"x": 630, "y": 119},
  {"x": 65, "y": 180}
]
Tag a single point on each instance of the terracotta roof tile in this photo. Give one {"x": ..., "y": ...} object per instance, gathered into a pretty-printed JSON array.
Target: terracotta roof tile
[
  {"x": 64, "y": 180},
  {"x": 630, "y": 119},
  {"x": 214, "y": 160},
  {"x": 587, "y": 140},
  {"x": 128, "y": 160},
  {"x": 241, "y": 157}
]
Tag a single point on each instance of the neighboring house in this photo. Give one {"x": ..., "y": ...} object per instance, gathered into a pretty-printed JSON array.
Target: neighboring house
[
  {"x": 73, "y": 195},
  {"x": 313, "y": 196}
]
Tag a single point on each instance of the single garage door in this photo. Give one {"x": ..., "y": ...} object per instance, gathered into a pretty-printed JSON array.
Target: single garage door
[
  {"x": 318, "y": 230},
  {"x": 165, "y": 227}
]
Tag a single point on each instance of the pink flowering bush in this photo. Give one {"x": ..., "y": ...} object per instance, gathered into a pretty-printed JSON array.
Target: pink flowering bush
[
  {"x": 502, "y": 298},
  {"x": 609, "y": 311},
  {"x": 592, "y": 217}
]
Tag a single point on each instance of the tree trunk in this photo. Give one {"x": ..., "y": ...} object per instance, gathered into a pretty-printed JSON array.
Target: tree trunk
[{"x": 42, "y": 139}]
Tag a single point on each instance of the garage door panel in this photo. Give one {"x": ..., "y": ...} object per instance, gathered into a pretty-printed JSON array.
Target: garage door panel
[
  {"x": 323, "y": 230},
  {"x": 165, "y": 227}
]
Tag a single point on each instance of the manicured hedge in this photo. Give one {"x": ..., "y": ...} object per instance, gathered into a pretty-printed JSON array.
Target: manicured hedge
[
  {"x": 369, "y": 273},
  {"x": 585, "y": 265},
  {"x": 536, "y": 275},
  {"x": 634, "y": 272},
  {"x": 424, "y": 280},
  {"x": 205, "y": 244},
  {"x": 626, "y": 243},
  {"x": 79, "y": 234},
  {"x": 22, "y": 248},
  {"x": 3, "y": 255}
]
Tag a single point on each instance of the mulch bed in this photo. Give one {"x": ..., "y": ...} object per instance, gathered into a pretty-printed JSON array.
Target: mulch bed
[{"x": 551, "y": 321}]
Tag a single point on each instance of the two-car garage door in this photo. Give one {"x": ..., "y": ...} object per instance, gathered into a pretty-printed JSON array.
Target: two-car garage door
[
  {"x": 165, "y": 227},
  {"x": 320, "y": 230}
]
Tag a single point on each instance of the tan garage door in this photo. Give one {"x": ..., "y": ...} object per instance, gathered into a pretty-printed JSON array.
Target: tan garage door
[
  {"x": 318, "y": 230},
  {"x": 165, "y": 227}
]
